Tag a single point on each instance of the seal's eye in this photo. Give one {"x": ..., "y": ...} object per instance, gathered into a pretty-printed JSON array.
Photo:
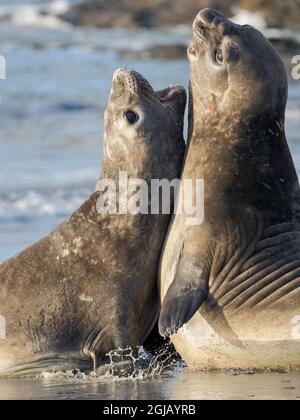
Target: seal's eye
[
  {"x": 131, "y": 117},
  {"x": 219, "y": 57}
]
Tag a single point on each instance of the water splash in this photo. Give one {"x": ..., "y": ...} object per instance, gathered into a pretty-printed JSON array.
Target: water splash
[
  {"x": 124, "y": 364},
  {"x": 138, "y": 363}
]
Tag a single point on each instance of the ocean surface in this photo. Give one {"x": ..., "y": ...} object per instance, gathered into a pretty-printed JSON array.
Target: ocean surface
[{"x": 52, "y": 103}]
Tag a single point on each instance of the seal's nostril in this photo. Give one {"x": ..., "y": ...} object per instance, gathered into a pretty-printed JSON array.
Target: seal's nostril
[
  {"x": 205, "y": 18},
  {"x": 210, "y": 19},
  {"x": 115, "y": 75}
]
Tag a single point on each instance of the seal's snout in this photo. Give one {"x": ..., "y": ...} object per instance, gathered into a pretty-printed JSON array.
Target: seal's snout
[
  {"x": 118, "y": 82},
  {"x": 124, "y": 81},
  {"x": 117, "y": 73},
  {"x": 129, "y": 80},
  {"x": 210, "y": 19},
  {"x": 119, "y": 77},
  {"x": 205, "y": 18}
]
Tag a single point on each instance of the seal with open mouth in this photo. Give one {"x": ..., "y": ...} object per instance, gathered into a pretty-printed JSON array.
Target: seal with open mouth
[
  {"x": 91, "y": 286},
  {"x": 233, "y": 282}
]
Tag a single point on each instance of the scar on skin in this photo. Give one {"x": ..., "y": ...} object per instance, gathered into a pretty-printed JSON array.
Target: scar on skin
[
  {"x": 84, "y": 298},
  {"x": 65, "y": 253}
]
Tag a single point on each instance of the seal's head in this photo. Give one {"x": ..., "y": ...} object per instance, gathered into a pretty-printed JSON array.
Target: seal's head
[
  {"x": 145, "y": 124},
  {"x": 234, "y": 67},
  {"x": 239, "y": 94}
]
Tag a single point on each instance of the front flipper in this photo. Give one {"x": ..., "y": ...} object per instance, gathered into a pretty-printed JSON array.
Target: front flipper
[{"x": 184, "y": 297}]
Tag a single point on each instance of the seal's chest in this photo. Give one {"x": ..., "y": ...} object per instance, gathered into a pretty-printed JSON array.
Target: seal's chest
[{"x": 271, "y": 275}]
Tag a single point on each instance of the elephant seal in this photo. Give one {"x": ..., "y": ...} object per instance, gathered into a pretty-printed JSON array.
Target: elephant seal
[
  {"x": 230, "y": 287},
  {"x": 90, "y": 287}
]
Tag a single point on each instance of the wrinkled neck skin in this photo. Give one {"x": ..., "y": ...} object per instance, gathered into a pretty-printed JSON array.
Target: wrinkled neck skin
[
  {"x": 123, "y": 160},
  {"x": 148, "y": 164},
  {"x": 242, "y": 154}
]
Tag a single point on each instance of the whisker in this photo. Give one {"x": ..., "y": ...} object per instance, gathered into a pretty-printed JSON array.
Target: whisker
[
  {"x": 99, "y": 118},
  {"x": 147, "y": 99},
  {"x": 152, "y": 96}
]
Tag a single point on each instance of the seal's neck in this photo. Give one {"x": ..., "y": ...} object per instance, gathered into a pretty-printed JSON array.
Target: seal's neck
[
  {"x": 119, "y": 160},
  {"x": 111, "y": 169},
  {"x": 123, "y": 192},
  {"x": 247, "y": 157}
]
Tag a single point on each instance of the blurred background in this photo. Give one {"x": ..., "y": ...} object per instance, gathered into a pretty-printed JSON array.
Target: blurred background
[{"x": 60, "y": 58}]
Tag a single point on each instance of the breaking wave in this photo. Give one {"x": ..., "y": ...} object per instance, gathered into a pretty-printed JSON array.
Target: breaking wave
[
  {"x": 40, "y": 15},
  {"x": 25, "y": 207}
]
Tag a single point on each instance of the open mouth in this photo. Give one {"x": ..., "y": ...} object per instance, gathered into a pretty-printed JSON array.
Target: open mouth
[{"x": 167, "y": 94}]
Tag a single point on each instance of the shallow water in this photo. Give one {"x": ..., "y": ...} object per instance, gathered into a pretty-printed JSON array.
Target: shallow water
[
  {"x": 51, "y": 148},
  {"x": 178, "y": 385}
]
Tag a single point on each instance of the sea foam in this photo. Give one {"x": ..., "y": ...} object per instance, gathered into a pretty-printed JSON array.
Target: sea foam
[{"x": 41, "y": 15}]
